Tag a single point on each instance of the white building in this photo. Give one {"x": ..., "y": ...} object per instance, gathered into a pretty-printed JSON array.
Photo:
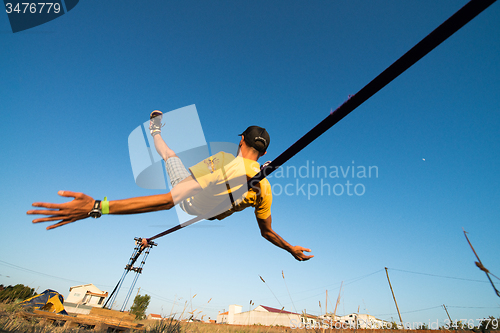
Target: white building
[
  {"x": 222, "y": 318},
  {"x": 84, "y": 297},
  {"x": 361, "y": 320},
  {"x": 153, "y": 316},
  {"x": 262, "y": 315},
  {"x": 308, "y": 321}
]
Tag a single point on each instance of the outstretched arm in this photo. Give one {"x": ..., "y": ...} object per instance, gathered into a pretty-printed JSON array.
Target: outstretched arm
[
  {"x": 268, "y": 233},
  {"x": 81, "y": 205}
]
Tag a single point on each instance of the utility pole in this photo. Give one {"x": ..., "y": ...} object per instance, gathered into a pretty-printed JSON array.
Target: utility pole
[
  {"x": 338, "y": 300},
  {"x": 326, "y": 310},
  {"x": 392, "y": 291},
  {"x": 444, "y": 306},
  {"x": 326, "y": 303}
]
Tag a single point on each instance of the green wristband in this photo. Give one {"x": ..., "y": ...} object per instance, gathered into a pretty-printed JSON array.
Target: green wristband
[{"x": 105, "y": 206}]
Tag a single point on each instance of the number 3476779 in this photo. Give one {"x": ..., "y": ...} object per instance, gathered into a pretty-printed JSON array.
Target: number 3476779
[{"x": 33, "y": 8}]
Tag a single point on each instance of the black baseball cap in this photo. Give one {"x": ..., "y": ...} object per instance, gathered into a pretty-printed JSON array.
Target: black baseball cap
[{"x": 257, "y": 137}]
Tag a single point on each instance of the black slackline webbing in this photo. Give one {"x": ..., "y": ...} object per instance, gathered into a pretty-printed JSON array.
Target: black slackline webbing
[{"x": 431, "y": 41}]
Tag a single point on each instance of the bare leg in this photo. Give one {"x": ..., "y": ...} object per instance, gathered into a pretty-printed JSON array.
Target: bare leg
[
  {"x": 176, "y": 171},
  {"x": 162, "y": 148}
]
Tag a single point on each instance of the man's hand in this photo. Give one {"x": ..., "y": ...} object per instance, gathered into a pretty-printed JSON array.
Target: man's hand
[
  {"x": 268, "y": 233},
  {"x": 77, "y": 209},
  {"x": 144, "y": 243},
  {"x": 298, "y": 253}
]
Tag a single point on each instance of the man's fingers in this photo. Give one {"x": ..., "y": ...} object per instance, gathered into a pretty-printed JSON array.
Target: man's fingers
[
  {"x": 53, "y": 226},
  {"x": 300, "y": 255},
  {"x": 67, "y": 194},
  {"x": 43, "y": 212},
  {"x": 47, "y": 219},
  {"x": 304, "y": 257},
  {"x": 49, "y": 205},
  {"x": 46, "y": 205},
  {"x": 70, "y": 194},
  {"x": 64, "y": 213}
]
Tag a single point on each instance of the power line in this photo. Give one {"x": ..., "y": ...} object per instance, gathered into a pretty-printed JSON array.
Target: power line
[
  {"x": 441, "y": 276},
  {"x": 439, "y": 306},
  {"x": 412, "y": 311},
  {"x": 346, "y": 282},
  {"x": 362, "y": 277},
  {"x": 164, "y": 299},
  {"x": 159, "y": 297},
  {"x": 473, "y": 307},
  {"x": 36, "y": 272},
  {"x": 40, "y": 273}
]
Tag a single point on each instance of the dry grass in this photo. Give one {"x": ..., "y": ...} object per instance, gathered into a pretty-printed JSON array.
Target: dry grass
[
  {"x": 11, "y": 322},
  {"x": 222, "y": 328}
]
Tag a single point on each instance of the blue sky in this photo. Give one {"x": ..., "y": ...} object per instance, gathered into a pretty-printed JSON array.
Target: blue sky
[{"x": 73, "y": 89}]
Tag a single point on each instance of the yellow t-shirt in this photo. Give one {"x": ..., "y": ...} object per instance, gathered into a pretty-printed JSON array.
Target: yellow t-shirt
[{"x": 220, "y": 176}]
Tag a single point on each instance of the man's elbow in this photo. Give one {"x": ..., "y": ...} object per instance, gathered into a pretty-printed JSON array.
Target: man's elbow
[
  {"x": 266, "y": 234},
  {"x": 168, "y": 205}
]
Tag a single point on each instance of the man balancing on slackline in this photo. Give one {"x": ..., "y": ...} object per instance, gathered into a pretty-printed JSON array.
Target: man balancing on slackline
[{"x": 197, "y": 190}]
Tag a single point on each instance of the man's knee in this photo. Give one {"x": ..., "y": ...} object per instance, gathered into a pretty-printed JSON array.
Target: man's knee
[{"x": 165, "y": 158}]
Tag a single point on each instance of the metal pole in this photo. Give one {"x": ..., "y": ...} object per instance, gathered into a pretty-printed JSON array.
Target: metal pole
[
  {"x": 326, "y": 303},
  {"x": 326, "y": 309},
  {"x": 445, "y": 309},
  {"x": 338, "y": 300},
  {"x": 392, "y": 291}
]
